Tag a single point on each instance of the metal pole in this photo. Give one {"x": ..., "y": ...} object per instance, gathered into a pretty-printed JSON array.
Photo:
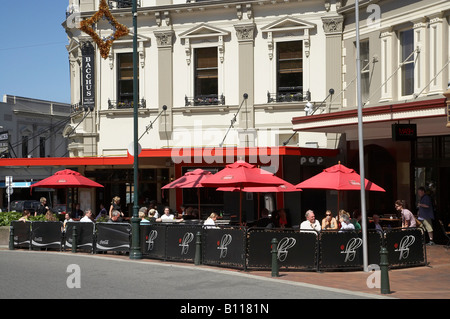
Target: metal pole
[
  {"x": 275, "y": 272},
  {"x": 135, "y": 252},
  {"x": 361, "y": 144}
]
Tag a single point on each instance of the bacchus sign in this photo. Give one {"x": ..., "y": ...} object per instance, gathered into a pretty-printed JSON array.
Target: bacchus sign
[{"x": 88, "y": 75}]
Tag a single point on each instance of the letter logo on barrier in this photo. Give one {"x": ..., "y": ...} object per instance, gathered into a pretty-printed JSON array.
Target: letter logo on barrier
[
  {"x": 403, "y": 248},
  {"x": 283, "y": 246},
  {"x": 224, "y": 242},
  {"x": 151, "y": 239},
  {"x": 184, "y": 243},
  {"x": 350, "y": 249}
]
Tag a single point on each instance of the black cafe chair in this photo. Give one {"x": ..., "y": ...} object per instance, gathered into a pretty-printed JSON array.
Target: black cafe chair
[{"x": 446, "y": 233}]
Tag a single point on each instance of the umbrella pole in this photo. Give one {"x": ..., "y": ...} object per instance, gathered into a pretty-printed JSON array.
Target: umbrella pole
[
  {"x": 240, "y": 205},
  {"x": 198, "y": 200}
]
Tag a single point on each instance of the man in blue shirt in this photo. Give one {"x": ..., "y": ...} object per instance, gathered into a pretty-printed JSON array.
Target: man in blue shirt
[{"x": 426, "y": 214}]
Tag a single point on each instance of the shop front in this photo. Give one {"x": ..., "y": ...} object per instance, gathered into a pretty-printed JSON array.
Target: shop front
[{"x": 406, "y": 145}]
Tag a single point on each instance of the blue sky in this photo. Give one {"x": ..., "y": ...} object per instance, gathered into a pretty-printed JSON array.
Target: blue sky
[{"x": 33, "y": 57}]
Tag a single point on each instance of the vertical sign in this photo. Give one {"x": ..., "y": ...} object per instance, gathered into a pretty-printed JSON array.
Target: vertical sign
[
  {"x": 4, "y": 144},
  {"x": 88, "y": 75}
]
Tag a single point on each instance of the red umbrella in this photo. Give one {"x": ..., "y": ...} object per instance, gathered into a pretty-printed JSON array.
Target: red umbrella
[
  {"x": 191, "y": 179},
  {"x": 338, "y": 177},
  {"x": 242, "y": 174},
  {"x": 287, "y": 187},
  {"x": 65, "y": 179}
]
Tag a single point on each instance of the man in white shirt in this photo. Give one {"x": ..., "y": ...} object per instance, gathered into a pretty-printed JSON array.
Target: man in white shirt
[
  {"x": 87, "y": 217},
  {"x": 167, "y": 215},
  {"x": 346, "y": 224},
  {"x": 310, "y": 223}
]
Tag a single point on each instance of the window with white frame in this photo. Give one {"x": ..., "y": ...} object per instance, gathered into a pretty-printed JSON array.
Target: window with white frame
[
  {"x": 125, "y": 78},
  {"x": 365, "y": 70},
  {"x": 206, "y": 72},
  {"x": 289, "y": 69},
  {"x": 407, "y": 59}
]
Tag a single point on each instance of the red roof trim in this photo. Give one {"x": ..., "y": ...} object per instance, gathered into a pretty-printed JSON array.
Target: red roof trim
[{"x": 376, "y": 110}]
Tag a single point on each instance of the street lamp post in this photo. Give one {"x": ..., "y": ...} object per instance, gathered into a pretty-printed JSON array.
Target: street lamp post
[
  {"x": 361, "y": 144},
  {"x": 135, "y": 252}
]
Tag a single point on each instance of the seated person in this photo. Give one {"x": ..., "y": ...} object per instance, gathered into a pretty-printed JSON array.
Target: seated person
[
  {"x": 310, "y": 223},
  {"x": 115, "y": 217},
  {"x": 210, "y": 222},
  {"x": 265, "y": 220},
  {"x": 167, "y": 215},
  {"x": 87, "y": 218},
  {"x": 375, "y": 224},
  {"x": 345, "y": 223},
  {"x": 329, "y": 222}
]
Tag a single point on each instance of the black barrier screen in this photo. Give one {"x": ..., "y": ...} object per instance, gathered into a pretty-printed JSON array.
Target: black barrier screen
[
  {"x": 225, "y": 246},
  {"x": 180, "y": 243},
  {"x": 21, "y": 233},
  {"x": 340, "y": 250},
  {"x": 113, "y": 236},
  {"x": 153, "y": 241},
  {"x": 405, "y": 247},
  {"x": 85, "y": 236},
  {"x": 46, "y": 235},
  {"x": 294, "y": 249}
]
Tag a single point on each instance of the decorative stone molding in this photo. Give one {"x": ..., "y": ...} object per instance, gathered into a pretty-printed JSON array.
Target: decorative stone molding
[
  {"x": 141, "y": 53},
  {"x": 164, "y": 38},
  {"x": 239, "y": 11},
  {"x": 203, "y": 32},
  {"x": 333, "y": 25},
  {"x": 245, "y": 32},
  {"x": 111, "y": 58},
  {"x": 285, "y": 26},
  {"x": 158, "y": 18},
  {"x": 249, "y": 11}
]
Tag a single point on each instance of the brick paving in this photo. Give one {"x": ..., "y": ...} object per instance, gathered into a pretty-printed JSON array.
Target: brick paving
[{"x": 424, "y": 282}]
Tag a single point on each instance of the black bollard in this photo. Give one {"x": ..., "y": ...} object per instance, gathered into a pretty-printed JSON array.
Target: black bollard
[
  {"x": 11, "y": 237},
  {"x": 384, "y": 265},
  {"x": 198, "y": 249},
  {"x": 74, "y": 239},
  {"x": 275, "y": 258}
]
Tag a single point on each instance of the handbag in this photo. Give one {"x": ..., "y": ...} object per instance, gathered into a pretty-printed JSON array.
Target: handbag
[{"x": 418, "y": 222}]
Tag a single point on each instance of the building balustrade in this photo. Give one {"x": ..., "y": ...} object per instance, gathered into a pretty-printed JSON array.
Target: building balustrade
[
  {"x": 288, "y": 95},
  {"x": 117, "y": 105},
  {"x": 210, "y": 99}
]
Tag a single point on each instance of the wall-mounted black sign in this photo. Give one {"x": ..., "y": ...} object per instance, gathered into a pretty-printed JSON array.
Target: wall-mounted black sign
[
  {"x": 404, "y": 132},
  {"x": 88, "y": 75}
]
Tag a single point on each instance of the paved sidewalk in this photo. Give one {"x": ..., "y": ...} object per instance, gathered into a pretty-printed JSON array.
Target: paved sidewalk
[{"x": 424, "y": 282}]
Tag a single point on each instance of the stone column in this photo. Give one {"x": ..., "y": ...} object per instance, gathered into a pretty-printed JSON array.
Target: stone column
[
  {"x": 333, "y": 27},
  {"x": 164, "y": 41},
  {"x": 386, "y": 65},
  {"x": 245, "y": 35}
]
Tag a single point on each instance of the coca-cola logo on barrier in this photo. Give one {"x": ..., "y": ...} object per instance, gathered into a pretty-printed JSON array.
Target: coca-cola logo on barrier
[
  {"x": 403, "y": 247},
  {"x": 350, "y": 249},
  {"x": 223, "y": 243},
  {"x": 184, "y": 242}
]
